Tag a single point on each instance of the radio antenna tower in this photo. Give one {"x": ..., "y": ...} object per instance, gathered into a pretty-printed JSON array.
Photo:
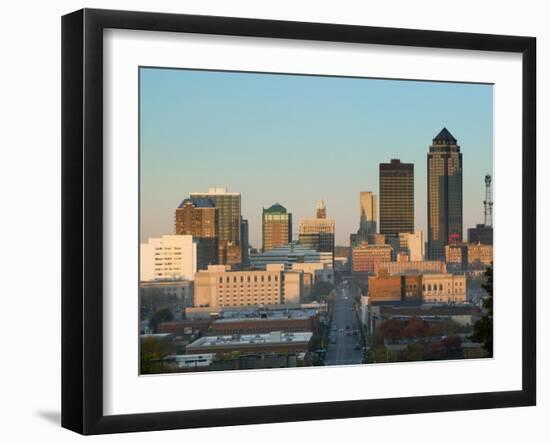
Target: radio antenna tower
[{"x": 488, "y": 202}]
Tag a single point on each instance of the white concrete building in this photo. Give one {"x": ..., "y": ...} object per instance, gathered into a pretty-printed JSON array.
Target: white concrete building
[
  {"x": 168, "y": 257},
  {"x": 444, "y": 288}
]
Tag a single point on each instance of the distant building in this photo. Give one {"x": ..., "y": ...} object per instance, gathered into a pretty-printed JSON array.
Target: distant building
[
  {"x": 411, "y": 243},
  {"x": 168, "y": 257},
  {"x": 365, "y": 257},
  {"x": 229, "y": 222},
  {"x": 367, "y": 213},
  {"x": 480, "y": 256},
  {"x": 396, "y": 197},
  {"x": 481, "y": 234},
  {"x": 424, "y": 288},
  {"x": 444, "y": 288},
  {"x": 218, "y": 287},
  {"x": 468, "y": 257},
  {"x": 341, "y": 264},
  {"x": 410, "y": 267},
  {"x": 199, "y": 218},
  {"x": 456, "y": 256},
  {"x": 276, "y": 227},
  {"x": 385, "y": 288},
  {"x": 317, "y": 233},
  {"x": 320, "y": 272},
  {"x": 288, "y": 255},
  {"x": 245, "y": 246},
  {"x": 173, "y": 294},
  {"x": 444, "y": 194}
]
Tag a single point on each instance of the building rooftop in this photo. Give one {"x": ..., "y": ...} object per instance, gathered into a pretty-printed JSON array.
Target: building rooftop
[
  {"x": 274, "y": 337},
  {"x": 445, "y": 137},
  {"x": 277, "y": 208},
  {"x": 254, "y": 315},
  {"x": 197, "y": 202}
]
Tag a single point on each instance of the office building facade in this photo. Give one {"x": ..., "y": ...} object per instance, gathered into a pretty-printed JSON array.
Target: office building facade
[
  {"x": 228, "y": 205},
  {"x": 444, "y": 194},
  {"x": 365, "y": 257},
  {"x": 219, "y": 288},
  {"x": 199, "y": 218},
  {"x": 170, "y": 257},
  {"x": 276, "y": 227},
  {"x": 317, "y": 233},
  {"x": 396, "y": 197}
]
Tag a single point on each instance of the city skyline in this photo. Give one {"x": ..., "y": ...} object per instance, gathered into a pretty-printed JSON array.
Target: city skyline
[{"x": 313, "y": 138}]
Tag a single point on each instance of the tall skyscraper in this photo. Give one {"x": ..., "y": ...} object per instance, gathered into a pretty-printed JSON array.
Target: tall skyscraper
[
  {"x": 396, "y": 197},
  {"x": 199, "y": 218},
  {"x": 367, "y": 213},
  {"x": 229, "y": 222},
  {"x": 276, "y": 227},
  {"x": 196, "y": 217},
  {"x": 317, "y": 233},
  {"x": 444, "y": 194}
]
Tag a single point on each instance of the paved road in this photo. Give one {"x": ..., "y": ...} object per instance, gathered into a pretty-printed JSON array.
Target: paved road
[{"x": 342, "y": 345}]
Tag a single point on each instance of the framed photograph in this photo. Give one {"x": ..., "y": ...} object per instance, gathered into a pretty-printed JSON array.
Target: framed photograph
[{"x": 269, "y": 221}]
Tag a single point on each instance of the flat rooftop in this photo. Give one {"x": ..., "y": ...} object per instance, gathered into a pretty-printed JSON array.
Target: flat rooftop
[
  {"x": 232, "y": 316},
  {"x": 252, "y": 339}
]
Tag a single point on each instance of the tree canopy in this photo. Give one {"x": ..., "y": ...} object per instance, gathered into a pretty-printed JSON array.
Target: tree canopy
[{"x": 483, "y": 328}]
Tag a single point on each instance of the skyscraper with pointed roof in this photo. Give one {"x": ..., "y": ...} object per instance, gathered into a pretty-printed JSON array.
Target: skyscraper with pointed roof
[{"x": 444, "y": 194}]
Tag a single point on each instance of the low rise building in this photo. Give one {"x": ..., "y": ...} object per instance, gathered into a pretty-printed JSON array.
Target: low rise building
[
  {"x": 410, "y": 267},
  {"x": 275, "y": 341},
  {"x": 218, "y": 287},
  {"x": 469, "y": 257},
  {"x": 295, "y": 320},
  {"x": 174, "y": 294},
  {"x": 464, "y": 315},
  {"x": 444, "y": 288},
  {"x": 416, "y": 289},
  {"x": 365, "y": 257}
]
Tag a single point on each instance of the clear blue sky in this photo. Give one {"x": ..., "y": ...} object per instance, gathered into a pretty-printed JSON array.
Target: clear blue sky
[{"x": 297, "y": 139}]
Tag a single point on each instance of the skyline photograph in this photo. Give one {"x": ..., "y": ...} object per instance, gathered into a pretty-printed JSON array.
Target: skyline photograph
[{"x": 292, "y": 221}]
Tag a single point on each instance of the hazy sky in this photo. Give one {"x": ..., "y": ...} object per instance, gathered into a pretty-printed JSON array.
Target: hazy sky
[{"x": 298, "y": 139}]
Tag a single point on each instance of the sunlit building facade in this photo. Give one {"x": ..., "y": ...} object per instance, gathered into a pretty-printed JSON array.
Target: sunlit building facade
[
  {"x": 276, "y": 227},
  {"x": 444, "y": 194}
]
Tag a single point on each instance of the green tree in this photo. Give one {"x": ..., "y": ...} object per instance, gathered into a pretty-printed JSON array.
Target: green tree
[
  {"x": 414, "y": 352},
  {"x": 152, "y": 354},
  {"x": 320, "y": 291},
  {"x": 160, "y": 316},
  {"x": 483, "y": 328}
]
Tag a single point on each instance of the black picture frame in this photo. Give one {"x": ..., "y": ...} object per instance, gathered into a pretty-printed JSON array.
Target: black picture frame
[{"x": 82, "y": 218}]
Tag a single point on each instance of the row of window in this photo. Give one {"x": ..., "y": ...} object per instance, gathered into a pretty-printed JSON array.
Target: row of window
[{"x": 248, "y": 279}]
